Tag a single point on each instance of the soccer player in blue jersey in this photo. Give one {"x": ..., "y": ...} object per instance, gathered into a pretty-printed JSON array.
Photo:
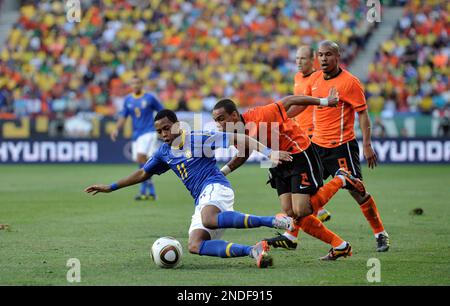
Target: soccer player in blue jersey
[
  {"x": 140, "y": 106},
  {"x": 191, "y": 157}
]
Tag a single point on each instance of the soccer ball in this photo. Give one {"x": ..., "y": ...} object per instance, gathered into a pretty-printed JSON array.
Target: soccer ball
[{"x": 167, "y": 252}]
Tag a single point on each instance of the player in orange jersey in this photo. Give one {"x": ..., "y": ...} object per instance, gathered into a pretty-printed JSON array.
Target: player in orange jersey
[
  {"x": 334, "y": 135},
  {"x": 299, "y": 183},
  {"x": 305, "y": 62}
]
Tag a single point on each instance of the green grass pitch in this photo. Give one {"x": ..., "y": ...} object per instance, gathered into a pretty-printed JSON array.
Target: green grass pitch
[{"x": 52, "y": 220}]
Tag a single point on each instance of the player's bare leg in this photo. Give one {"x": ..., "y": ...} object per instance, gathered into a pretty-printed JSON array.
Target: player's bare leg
[
  {"x": 301, "y": 205},
  {"x": 370, "y": 211},
  {"x": 196, "y": 237},
  {"x": 286, "y": 204},
  {"x": 289, "y": 239},
  {"x": 210, "y": 215}
]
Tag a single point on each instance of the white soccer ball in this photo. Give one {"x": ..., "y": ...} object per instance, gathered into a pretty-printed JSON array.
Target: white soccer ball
[{"x": 167, "y": 252}]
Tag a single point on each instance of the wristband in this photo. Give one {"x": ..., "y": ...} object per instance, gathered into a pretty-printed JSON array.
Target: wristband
[
  {"x": 323, "y": 101},
  {"x": 266, "y": 151},
  {"x": 225, "y": 170},
  {"x": 114, "y": 186}
]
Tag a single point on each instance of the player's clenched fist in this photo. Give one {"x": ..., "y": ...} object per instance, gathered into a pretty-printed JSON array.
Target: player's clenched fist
[{"x": 333, "y": 97}]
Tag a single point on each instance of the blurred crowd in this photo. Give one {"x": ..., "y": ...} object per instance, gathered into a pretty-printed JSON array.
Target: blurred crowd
[
  {"x": 189, "y": 52},
  {"x": 410, "y": 73}
]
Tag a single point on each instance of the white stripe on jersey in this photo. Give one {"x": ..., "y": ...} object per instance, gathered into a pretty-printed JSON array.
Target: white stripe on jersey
[
  {"x": 311, "y": 169},
  {"x": 291, "y": 140},
  {"x": 351, "y": 159},
  {"x": 342, "y": 124}
]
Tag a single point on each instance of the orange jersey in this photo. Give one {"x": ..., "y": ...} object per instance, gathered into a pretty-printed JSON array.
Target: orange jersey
[
  {"x": 306, "y": 118},
  {"x": 334, "y": 126},
  {"x": 262, "y": 123}
]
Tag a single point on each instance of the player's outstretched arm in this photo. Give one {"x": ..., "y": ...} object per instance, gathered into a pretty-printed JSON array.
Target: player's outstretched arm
[
  {"x": 294, "y": 105},
  {"x": 248, "y": 144},
  {"x": 295, "y": 110},
  {"x": 234, "y": 163},
  {"x": 137, "y": 177}
]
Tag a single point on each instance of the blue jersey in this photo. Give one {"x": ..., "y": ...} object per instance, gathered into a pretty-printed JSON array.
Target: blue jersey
[
  {"x": 141, "y": 109},
  {"x": 193, "y": 162}
]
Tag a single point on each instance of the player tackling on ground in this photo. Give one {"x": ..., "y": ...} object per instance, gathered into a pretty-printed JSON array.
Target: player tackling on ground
[
  {"x": 191, "y": 157},
  {"x": 299, "y": 184}
]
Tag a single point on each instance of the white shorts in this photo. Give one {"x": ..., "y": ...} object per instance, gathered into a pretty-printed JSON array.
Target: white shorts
[
  {"x": 144, "y": 144},
  {"x": 214, "y": 194}
]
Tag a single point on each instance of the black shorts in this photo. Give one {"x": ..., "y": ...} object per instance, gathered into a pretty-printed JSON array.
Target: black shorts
[
  {"x": 344, "y": 156},
  {"x": 302, "y": 175}
]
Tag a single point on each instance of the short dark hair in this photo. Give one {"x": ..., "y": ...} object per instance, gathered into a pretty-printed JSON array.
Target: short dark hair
[
  {"x": 333, "y": 45},
  {"x": 166, "y": 113},
  {"x": 227, "y": 104}
]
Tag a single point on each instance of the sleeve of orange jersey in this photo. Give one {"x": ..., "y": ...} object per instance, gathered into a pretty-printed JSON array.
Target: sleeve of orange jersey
[
  {"x": 273, "y": 112},
  {"x": 355, "y": 96}
]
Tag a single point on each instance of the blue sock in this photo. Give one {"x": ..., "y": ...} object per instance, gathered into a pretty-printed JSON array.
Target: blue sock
[
  {"x": 235, "y": 219},
  {"x": 150, "y": 187},
  {"x": 224, "y": 249},
  {"x": 143, "y": 184}
]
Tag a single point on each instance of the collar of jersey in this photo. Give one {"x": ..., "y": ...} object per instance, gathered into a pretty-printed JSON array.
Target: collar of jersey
[
  {"x": 138, "y": 96},
  {"x": 334, "y": 76},
  {"x": 308, "y": 75}
]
